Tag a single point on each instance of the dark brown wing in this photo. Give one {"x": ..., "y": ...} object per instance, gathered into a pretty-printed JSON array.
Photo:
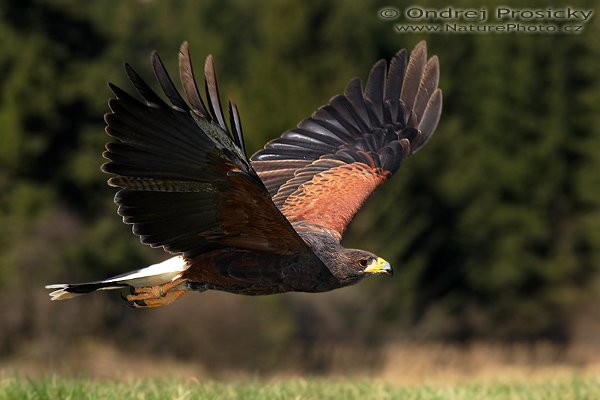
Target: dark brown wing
[
  {"x": 322, "y": 171},
  {"x": 186, "y": 184}
]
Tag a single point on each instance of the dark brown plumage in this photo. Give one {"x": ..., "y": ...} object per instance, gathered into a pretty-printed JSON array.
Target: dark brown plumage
[{"x": 271, "y": 223}]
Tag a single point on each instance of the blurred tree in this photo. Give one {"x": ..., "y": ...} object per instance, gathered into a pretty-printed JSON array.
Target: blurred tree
[
  {"x": 493, "y": 227},
  {"x": 488, "y": 219}
]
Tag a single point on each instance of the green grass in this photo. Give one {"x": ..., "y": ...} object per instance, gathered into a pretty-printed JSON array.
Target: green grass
[{"x": 61, "y": 388}]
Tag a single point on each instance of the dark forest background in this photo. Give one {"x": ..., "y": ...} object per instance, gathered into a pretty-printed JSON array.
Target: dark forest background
[{"x": 493, "y": 228}]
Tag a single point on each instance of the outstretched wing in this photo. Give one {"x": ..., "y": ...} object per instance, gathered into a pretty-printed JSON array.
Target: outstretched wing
[
  {"x": 321, "y": 172},
  {"x": 186, "y": 184}
]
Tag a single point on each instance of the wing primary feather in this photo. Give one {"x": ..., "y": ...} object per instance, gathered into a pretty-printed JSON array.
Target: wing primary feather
[
  {"x": 389, "y": 111},
  {"x": 376, "y": 118},
  {"x": 405, "y": 143},
  {"x": 430, "y": 119},
  {"x": 395, "y": 76},
  {"x": 212, "y": 92},
  {"x": 348, "y": 112},
  {"x": 152, "y": 99},
  {"x": 429, "y": 83},
  {"x": 375, "y": 88},
  {"x": 328, "y": 121},
  {"x": 354, "y": 94},
  {"x": 414, "y": 73},
  {"x": 188, "y": 81},
  {"x": 338, "y": 113},
  {"x": 412, "y": 120},
  {"x": 236, "y": 126},
  {"x": 121, "y": 95},
  {"x": 163, "y": 78}
]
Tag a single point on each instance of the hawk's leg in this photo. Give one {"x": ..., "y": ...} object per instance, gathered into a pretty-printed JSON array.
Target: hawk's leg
[{"x": 156, "y": 296}]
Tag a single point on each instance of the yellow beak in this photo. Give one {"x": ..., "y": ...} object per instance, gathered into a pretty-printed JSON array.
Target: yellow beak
[{"x": 379, "y": 266}]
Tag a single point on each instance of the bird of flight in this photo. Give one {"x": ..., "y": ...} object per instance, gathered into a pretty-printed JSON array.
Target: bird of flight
[{"x": 270, "y": 223}]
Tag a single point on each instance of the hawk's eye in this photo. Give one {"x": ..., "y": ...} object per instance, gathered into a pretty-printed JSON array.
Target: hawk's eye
[{"x": 363, "y": 263}]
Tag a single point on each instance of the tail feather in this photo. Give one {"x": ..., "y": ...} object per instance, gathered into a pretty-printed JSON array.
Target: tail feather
[
  {"x": 69, "y": 290},
  {"x": 153, "y": 275}
]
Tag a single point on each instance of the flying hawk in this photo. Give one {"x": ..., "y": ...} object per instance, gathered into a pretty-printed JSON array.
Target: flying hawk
[{"x": 270, "y": 223}]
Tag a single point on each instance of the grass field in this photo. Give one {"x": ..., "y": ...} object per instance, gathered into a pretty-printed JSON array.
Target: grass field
[
  {"x": 410, "y": 371},
  {"x": 60, "y": 388}
]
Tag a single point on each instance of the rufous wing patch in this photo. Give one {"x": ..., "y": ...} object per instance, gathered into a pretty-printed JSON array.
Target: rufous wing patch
[{"x": 332, "y": 197}]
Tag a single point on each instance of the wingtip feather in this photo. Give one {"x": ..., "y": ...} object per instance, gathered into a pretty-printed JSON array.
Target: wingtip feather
[
  {"x": 212, "y": 91},
  {"x": 188, "y": 81}
]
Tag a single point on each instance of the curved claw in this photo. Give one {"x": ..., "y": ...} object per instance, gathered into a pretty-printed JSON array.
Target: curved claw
[{"x": 133, "y": 303}]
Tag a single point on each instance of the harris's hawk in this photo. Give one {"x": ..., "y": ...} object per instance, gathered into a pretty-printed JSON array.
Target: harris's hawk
[{"x": 270, "y": 223}]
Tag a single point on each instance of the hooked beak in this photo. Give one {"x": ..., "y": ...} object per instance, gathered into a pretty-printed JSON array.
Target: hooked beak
[{"x": 379, "y": 266}]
